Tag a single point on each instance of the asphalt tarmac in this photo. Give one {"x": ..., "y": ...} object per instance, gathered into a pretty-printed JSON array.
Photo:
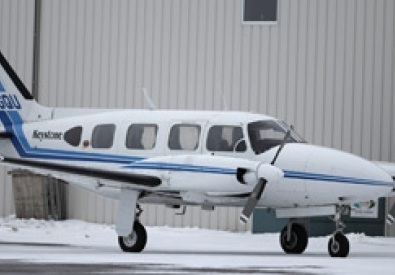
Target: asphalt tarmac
[
  {"x": 20, "y": 267},
  {"x": 24, "y": 268}
]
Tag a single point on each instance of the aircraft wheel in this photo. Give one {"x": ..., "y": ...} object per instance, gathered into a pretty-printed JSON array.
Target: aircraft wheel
[
  {"x": 298, "y": 241},
  {"x": 136, "y": 241},
  {"x": 338, "y": 245}
]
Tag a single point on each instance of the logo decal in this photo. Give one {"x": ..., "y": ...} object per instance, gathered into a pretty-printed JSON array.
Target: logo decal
[
  {"x": 9, "y": 102},
  {"x": 365, "y": 205},
  {"x": 47, "y": 135}
]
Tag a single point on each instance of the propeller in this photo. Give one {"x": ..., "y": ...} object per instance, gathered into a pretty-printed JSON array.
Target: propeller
[
  {"x": 266, "y": 173},
  {"x": 286, "y": 137},
  {"x": 391, "y": 215},
  {"x": 253, "y": 200}
]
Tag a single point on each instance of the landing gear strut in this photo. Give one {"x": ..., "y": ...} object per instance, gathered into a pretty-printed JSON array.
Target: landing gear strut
[
  {"x": 137, "y": 239},
  {"x": 338, "y": 245},
  {"x": 293, "y": 238}
]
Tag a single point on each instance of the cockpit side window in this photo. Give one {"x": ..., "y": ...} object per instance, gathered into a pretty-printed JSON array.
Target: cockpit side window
[
  {"x": 265, "y": 135},
  {"x": 223, "y": 138}
]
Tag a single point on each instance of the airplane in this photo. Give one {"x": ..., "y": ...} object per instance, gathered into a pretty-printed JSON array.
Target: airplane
[{"x": 181, "y": 158}]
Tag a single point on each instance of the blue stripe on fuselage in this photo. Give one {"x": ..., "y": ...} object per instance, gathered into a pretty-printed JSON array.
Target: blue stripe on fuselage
[
  {"x": 180, "y": 167},
  {"x": 332, "y": 178}
]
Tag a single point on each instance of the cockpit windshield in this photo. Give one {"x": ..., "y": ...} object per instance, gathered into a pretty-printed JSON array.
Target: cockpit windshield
[{"x": 267, "y": 134}]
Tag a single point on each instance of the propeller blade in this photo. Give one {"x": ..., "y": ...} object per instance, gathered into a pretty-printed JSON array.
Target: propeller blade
[
  {"x": 287, "y": 135},
  {"x": 253, "y": 200},
  {"x": 391, "y": 215}
]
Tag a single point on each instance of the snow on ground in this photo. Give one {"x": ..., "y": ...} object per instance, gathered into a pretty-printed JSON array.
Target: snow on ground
[{"x": 80, "y": 242}]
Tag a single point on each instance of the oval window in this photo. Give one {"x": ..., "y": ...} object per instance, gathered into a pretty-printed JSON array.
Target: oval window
[{"x": 73, "y": 136}]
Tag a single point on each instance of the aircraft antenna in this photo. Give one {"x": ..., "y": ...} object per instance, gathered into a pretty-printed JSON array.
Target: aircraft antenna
[
  {"x": 224, "y": 105},
  {"x": 151, "y": 105}
]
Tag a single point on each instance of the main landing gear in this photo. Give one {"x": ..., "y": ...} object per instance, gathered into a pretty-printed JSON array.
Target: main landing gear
[
  {"x": 137, "y": 239},
  {"x": 293, "y": 238}
]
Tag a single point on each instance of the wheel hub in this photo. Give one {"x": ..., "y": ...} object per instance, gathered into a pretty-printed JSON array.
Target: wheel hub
[
  {"x": 335, "y": 247},
  {"x": 292, "y": 241},
  {"x": 130, "y": 240}
]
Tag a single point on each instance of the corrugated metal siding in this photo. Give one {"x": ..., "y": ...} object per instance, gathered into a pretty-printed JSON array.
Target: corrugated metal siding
[
  {"x": 327, "y": 68},
  {"x": 16, "y": 43}
]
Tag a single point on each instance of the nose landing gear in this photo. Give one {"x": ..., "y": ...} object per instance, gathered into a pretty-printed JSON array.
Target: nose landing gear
[{"x": 339, "y": 245}]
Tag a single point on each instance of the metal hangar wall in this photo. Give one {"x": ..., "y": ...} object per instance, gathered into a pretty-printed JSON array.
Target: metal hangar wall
[{"x": 327, "y": 67}]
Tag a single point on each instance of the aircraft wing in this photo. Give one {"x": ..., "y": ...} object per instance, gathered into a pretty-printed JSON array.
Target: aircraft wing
[{"x": 85, "y": 175}]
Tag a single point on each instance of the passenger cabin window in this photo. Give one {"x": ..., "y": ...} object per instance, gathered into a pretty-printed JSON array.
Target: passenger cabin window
[
  {"x": 141, "y": 136},
  {"x": 184, "y": 137},
  {"x": 73, "y": 136},
  {"x": 103, "y": 136},
  {"x": 226, "y": 139}
]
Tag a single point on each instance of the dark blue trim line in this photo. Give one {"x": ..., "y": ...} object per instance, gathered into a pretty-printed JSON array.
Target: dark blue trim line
[
  {"x": 331, "y": 178},
  {"x": 180, "y": 167}
]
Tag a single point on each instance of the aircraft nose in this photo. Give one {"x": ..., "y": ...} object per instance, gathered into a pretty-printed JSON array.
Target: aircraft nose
[
  {"x": 348, "y": 175},
  {"x": 342, "y": 164}
]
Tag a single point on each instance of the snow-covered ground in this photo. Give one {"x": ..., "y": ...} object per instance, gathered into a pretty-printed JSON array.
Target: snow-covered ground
[{"x": 79, "y": 242}]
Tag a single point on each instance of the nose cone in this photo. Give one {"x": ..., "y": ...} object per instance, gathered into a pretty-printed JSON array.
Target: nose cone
[
  {"x": 347, "y": 167},
  {"x": 329, "y": 171}
]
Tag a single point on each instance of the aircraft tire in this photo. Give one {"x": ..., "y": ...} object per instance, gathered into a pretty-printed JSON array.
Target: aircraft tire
[
  {"x": 136, "y": 241},
  {"x": 298, "y": 242},
  {"x": 338, "y": 245}
]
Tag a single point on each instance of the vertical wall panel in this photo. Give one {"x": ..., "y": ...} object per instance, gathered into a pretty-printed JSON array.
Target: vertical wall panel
[
  {"x": 320, "y": 75},
  {"x": 358, "y": 76},
  {"x": 327, "y": 67},
  {"x": 387, "y": 114},
  {"x": 311, "y": 68},
  {"x": 348, "y": 87},
  {"x": 338, "y": 90}
]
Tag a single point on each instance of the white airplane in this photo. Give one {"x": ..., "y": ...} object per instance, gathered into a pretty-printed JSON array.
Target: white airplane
[{"x": 181, "y": 158}]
